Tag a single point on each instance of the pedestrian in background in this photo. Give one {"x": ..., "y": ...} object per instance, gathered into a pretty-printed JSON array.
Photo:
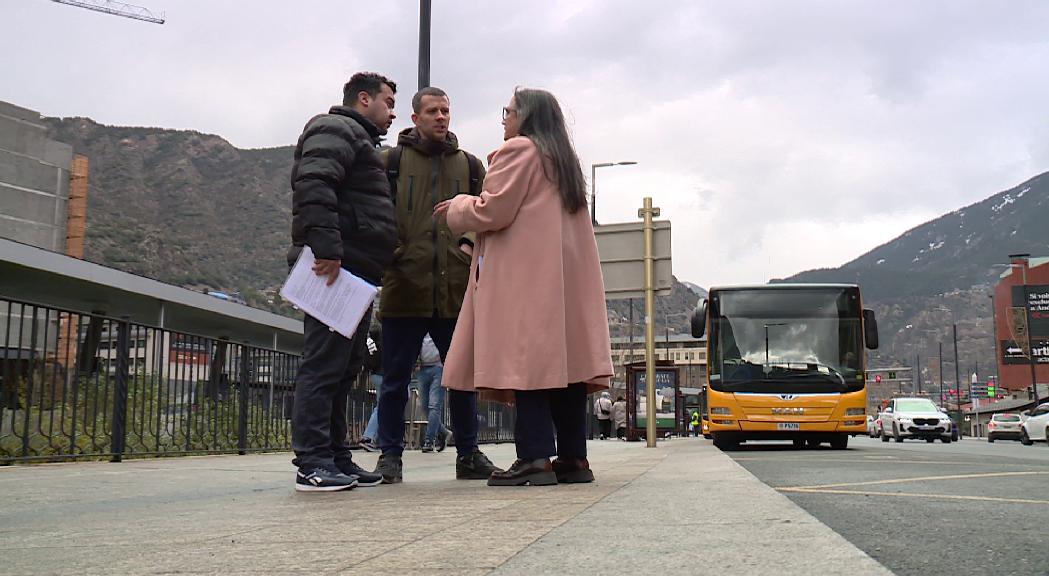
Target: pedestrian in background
[
  {"x": 374, "y": 365},
  {"x": 432, "y": 394},
  {"x": 341, "y": 209},
  {"x": 424, "y": 285},
  {"x": 619, "y": 417},
  {"x": 603, "y": 411},
  {"x": 535, "y": 271}
]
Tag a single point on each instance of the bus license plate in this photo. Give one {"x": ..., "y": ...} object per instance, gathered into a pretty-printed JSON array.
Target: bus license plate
[{"x": 791, "y": 426}]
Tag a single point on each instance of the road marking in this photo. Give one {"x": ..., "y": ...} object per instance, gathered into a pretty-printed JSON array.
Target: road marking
[
  {"x": 867, "y": 460},
  {"x": 914, "y": 495},
  {"x": 918, "y": 479}
]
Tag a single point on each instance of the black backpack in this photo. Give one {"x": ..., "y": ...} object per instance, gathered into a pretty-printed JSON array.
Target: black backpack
[{"x": 393, "y": 171}]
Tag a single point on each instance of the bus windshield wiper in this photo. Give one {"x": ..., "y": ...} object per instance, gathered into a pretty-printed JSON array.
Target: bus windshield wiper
[{"x": 830, "y": 374}]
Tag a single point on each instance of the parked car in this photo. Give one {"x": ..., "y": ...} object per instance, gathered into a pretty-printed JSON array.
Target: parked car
[
  {"x": 1004, "y": 427},
  {"x": 873, "y": 426},
  {"x": 915, "y": 418},
  {"x": 1036, "y": 427}
]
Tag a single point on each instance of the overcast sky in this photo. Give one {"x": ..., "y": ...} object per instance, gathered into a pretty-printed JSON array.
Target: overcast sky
[{"x": 777, "y": 136}]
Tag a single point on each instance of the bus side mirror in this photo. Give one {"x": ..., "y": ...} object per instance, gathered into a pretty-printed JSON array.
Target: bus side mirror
[
  {"x": 870, "y": 329},
  {"x": 699, "y": 319}
]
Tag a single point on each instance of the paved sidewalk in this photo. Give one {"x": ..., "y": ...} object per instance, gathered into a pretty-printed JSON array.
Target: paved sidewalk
[{"x": 665, "y": 510}]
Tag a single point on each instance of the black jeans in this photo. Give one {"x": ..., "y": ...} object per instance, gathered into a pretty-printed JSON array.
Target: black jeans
[
  {"x": 330, "y": 363},
  {"x": 605, "y": 427},
  {"x": 542, "y": 414},
  {"x": 402, "y": 339}
]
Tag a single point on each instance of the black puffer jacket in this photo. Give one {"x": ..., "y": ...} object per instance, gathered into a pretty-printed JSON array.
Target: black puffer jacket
[{"x": 341, "y": 206}]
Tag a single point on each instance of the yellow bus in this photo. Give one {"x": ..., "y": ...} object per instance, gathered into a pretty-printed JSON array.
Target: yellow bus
[{"x": 786, "y": 362}]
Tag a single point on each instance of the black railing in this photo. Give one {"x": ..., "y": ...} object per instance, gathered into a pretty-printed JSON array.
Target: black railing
[{"x": 87, "y": 386}]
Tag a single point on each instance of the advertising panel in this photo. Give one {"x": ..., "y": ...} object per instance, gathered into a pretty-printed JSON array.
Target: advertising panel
[
  {"x": 1038, "y": 304},
  {"x": 666, "y": 398},
  {"x": 1014, "y": 353}
]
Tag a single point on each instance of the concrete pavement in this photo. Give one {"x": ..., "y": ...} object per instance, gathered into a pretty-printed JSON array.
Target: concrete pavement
[{"x": 666, "y": 510}]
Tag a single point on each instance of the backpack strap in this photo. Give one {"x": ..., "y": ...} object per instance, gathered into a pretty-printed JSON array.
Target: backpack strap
[
  {"x": 475, "y": 173},
  {"x": 393, "y": 169}
]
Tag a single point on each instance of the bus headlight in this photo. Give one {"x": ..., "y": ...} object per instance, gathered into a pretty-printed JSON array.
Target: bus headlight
[
  {"x": 721, "y": 411},
  {"x": 855, "y": 411}
]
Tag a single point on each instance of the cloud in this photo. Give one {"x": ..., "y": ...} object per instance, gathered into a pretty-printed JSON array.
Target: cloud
[{"x": 777, "y": 136}]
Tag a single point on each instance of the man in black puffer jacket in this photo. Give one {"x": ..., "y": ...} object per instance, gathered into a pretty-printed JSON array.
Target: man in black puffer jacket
[{"x": 342, "y": 210}]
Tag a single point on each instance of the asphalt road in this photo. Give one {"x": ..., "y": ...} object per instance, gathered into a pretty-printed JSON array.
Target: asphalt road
[{"x": 922, "y": 509}]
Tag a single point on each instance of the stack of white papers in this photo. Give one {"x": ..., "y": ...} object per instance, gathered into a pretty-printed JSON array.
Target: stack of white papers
[{"x": 339, "y": 306}]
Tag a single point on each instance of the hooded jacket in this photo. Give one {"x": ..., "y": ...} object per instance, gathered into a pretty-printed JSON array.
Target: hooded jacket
[
  {"x": 341, "y": 206},
  {"x": 429, "y": 272}
]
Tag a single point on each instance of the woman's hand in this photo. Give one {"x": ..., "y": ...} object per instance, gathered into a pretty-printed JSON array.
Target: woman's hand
[{"x": 440, "y": 211}]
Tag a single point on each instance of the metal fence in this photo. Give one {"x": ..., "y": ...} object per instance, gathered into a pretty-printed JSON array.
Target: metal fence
[{"x": 89, "y": 386}]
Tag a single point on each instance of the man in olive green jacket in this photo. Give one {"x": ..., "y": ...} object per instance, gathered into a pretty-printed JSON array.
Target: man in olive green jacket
[{"x": 423, "y": 288}]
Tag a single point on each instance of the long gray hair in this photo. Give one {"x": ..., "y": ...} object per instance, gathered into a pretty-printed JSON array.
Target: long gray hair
[{"x": 543, "y": 123}]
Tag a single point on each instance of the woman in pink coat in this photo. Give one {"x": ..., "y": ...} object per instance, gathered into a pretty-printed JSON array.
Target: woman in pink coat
[{"x": 533, "y": 327}]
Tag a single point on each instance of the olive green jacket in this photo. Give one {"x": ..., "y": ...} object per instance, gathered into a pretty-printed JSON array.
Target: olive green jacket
[{"x": 429, "y": 272}]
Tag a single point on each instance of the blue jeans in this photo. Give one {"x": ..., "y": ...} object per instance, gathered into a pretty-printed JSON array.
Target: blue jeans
[
  {"x": 401, "y": 340},
  {"x": 431, "y": 391},
  {"x": 371, "y": 431}
]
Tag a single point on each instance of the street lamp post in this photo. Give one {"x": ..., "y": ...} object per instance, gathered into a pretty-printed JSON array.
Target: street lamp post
[
  {"x": 918, "y": 374},
  {"x": 957, "y": 375},
  {"x": 593, "y": 184},
  {"x": 425, "y": 11},
  {"x": 940, "y": 360}
]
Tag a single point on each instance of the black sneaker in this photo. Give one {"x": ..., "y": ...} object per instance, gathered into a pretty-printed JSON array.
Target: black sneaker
[
  {"x": 474, "y": 466},
  {"x": 364, "y": 477},
  {"x": 443, "y": 440},
  {"x": 368, "y": 444},
  {"x": 322, "y": 480},
  {"x": 428, "y": 446},
  {"x": 389, "y": 467}
]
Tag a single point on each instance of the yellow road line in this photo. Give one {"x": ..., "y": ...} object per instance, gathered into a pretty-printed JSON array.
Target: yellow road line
[
  {"x": 918, "y": 479},
  {"x": 914, "y": 495}
]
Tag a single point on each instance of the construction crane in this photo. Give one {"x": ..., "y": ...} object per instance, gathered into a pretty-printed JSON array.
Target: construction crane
[{"x": 116, "y": 9}]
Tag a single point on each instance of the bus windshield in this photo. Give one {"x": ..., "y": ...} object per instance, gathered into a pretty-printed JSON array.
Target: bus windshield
[{"x": 805, "y": 340}]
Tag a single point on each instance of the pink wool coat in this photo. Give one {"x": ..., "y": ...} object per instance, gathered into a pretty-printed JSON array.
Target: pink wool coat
[{"x": 534, "y": 315}]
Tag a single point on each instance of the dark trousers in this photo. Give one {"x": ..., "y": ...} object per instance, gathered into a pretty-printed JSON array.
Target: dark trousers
[
  {"x": 402, "y": 339},
  {"x": 330, "y": 363},
  {"x": 605, "y": 427},
  {"x": 544, "y": 414}
]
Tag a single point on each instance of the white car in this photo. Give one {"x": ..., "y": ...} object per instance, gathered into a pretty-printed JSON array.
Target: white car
[
  {"x": 915, "y": 418},
  {"x": 873, "y": 426},
  {"x": 1036, "y": 427},
  {"x": 1004, "y": 426}
]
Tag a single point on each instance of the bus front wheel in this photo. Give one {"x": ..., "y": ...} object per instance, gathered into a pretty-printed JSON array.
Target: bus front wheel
[
  {"x": 840, "y": 442},
  {"x": 724, "y": 443}
]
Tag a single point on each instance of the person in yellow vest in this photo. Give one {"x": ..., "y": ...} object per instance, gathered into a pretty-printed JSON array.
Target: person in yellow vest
[{"x": 695, "y": 425}]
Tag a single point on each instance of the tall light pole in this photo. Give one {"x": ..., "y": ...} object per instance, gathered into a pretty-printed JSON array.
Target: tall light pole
[
  {"x": 1027, "y": 321},
  {"x": 424, "y": 43},
  {"x": 957, "y": 376},
  {"x": 593, "y": 184}
]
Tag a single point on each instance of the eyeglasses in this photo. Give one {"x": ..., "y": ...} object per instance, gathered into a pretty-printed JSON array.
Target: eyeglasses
[{"x": 507, "y": 111}]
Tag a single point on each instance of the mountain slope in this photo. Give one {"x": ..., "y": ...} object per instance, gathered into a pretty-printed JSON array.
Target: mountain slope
[
  {"x": 941, "y": 273},
  {"x": 190, "y": 209},
  {"x": 183, "y": 207},
  {"x": 954, "y": 252}
]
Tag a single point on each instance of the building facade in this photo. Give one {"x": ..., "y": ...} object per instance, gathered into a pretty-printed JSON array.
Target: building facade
[
  {"x": 34, "y": 180},
  {"x": 688, "y": 354},
  {"x": 1021, "y": 320}
]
